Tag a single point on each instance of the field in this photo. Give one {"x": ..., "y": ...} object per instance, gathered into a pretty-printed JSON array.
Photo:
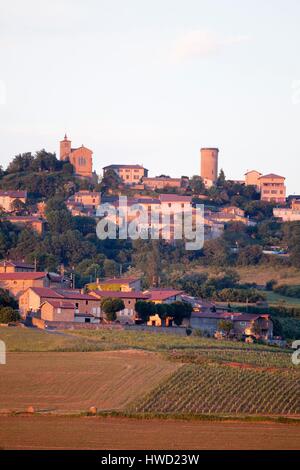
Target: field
[
  {"x": 48, "y": 432},
  {"x": 76, "y": 381},
  {"x": 214, "y": 389},
  {"x": 262, "y": 274},
  {"x": 138, "y": 374},
  {"x": 275, "y": 299}
]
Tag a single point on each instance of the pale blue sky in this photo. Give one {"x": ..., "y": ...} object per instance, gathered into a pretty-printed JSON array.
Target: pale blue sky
[{"x": 153, "y": 81}]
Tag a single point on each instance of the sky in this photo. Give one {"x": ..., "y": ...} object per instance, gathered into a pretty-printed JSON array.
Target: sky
[{"x": 151, "y": 82}]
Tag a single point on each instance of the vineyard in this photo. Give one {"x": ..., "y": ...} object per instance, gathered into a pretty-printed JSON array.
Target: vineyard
[{"x": 212, "y": 389}]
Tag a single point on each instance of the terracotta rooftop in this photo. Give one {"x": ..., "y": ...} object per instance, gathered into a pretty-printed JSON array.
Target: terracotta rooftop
[
  {"x": 163, "y": 294},
  {"x": 120, "y": 295},
  {"x": 26, "y": 276},
  {"x": 60, "y": 304},
  {"x": 272, "y": 175}
]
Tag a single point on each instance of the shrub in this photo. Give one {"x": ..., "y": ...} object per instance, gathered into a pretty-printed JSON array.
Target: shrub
[{"x": 8, "y": 314}]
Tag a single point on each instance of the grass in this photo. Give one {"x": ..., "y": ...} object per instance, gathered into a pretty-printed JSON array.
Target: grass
[
  {"x": 261, "y": 274},
  {"x": 19, "y": 339},
  {"x": 212, "y": 389},
  {"x": 190, "y": 348},
  {"x": 277, "y": 299}
]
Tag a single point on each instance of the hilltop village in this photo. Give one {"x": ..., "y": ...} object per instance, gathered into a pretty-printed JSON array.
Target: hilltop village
[{"x": 56, "y": 274}]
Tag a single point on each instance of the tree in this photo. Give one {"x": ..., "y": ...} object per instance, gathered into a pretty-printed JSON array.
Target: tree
[
  {"x": 221, "y": 179},
  {"x": 8, "y": 314},
  {"x": 197, "y": 185},
  {"x": 180, "y": 311},
  {"x": 144, "y": 310},
  {"x": 111, "y": 306},
  {"x": 20, "y": 163},
  {"x": 226, "y": 326}
]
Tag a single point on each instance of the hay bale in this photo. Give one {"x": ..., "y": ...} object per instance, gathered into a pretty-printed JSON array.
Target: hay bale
[
  {"x": 93, "y": 410},
  {"x": 30, "y": 409}
]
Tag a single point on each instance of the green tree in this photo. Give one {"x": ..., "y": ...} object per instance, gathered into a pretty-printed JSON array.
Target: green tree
[
  {"x": 8, "y": 314},
  {"x": 226, "y": 326},
  {"x": 144, "y": 310},
  {"x": 111, "y": 306}
]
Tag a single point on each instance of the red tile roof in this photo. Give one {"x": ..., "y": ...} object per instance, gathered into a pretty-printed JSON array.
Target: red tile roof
[
  {"x": 271, "y": 175},
  {"x": 60, "y": 304},
  {"x": 163, "y": 294},
  {"x": 45, "y": 292},
  {"x": 73, "y": 295},
  {"x": 175, "y": 198},
  {"x": 120, "y": 295},
  {"x": 26, "y": 276}
]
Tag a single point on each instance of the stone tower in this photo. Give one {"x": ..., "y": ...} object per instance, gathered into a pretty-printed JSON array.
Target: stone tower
[
  {"x": 209, "y": 165},
  {"x": 65, "y": 148}
]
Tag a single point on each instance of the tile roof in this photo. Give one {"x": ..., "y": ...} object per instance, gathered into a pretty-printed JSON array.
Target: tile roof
[
  {"x": 120, "y": 295},
  {"x": 174, "y": 198},
  {"x": 59, "y": 304},
  {"x": 163, "y": 294},
  {"x": 22, "y": 276},
  {"x": 45, "y": 292},
  {"x": 271, "y": 175}
]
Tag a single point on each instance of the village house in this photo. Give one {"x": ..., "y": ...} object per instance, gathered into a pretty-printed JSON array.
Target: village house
[
  {"x": 272, "y": 188},
  {"x": 35, "y": 223},
  {"x": 123, "y": 284},
  {"x": 244, "y": 324},
  {"x": 85, "y": 308},
  {"x": 162, "y": 296},
  {"x": 129, "y": 174},
  {"x": 84, "y": 203},
  {"x": 18, "y": 282},
  {"x": 291, "y": 214},
  {"x": 128, "y": 314},
  {"x": 252, "y": 179},
  {"x": 162, "y": 182},
  {"x": 7, "y": 198},
  {"x": 9, "y": 266}
]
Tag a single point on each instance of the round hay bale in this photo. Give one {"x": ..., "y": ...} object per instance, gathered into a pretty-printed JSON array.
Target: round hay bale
[
  {"x": 93, "y": 410},
  {"x": 30, "y": 409}
]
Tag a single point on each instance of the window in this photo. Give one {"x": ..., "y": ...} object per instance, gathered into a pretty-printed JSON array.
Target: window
[
  {"x": 59, "y": 310},
  {"x": 87, "y": 320}
]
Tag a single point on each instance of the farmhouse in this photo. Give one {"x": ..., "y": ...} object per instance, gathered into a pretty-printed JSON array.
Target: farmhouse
[
  {"x": 8, "y": 266},
  {"x": 259, "y": 326},
  {"x": 59, "y": 305},
  {"x": 7, "y": 198},
  {"x": 128, "y": 315},
  {"x": 124, "y": 284},
  {"x": 17, "y": 282}
]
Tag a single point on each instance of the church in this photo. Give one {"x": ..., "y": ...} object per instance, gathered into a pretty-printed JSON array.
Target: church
[{"x": 81, "y": 158}]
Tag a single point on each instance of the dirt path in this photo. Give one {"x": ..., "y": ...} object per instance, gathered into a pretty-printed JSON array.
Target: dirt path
[{"x": 45, "y": 432}]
